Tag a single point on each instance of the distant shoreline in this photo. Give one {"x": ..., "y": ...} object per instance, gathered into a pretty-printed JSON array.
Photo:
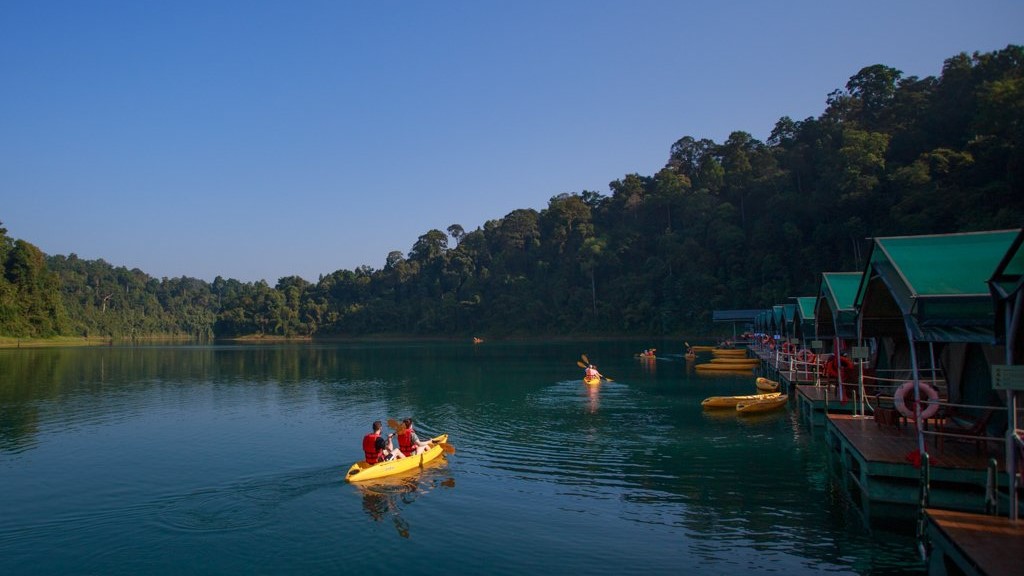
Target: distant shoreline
[{"x": 7, "y": 342}]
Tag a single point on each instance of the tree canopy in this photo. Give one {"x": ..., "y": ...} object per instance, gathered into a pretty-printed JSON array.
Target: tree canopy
[{"x": 737, "y": 224}]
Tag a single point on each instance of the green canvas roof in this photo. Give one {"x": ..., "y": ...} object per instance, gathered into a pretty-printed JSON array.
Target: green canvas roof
[
  {"x": 778, "y": 319},
  {"x": 937, "y": 284},
  {"x": 789, "y": 317},
  {"x": 834, "y": 311},
  {"x": 763, "y": 322},
  {"x": 805, "y": 317}
]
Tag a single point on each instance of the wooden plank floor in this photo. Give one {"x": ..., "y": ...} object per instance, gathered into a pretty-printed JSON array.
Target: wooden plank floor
[
  {"x": 891, "y": 444},
  {"x": 993, "y": 543}
]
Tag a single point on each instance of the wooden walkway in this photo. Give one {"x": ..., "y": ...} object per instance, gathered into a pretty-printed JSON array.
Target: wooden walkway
[{"x": 973, "y": 544}]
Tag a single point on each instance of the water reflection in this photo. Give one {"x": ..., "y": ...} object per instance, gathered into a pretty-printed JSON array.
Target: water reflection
[
  {"x": 594, "y": 398},
  {"x": 385, "y": 498}
]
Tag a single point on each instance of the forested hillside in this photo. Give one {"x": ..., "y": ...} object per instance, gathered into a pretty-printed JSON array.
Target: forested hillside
[{"x": 737, "y": 224}]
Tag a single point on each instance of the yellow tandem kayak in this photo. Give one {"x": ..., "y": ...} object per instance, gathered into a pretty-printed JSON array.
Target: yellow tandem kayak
[
  {"x": 727, "y": 367},
  {"x": 731, "y": 401},
  {"x": 762, "y": 405},
  {"x": 361, "y": 471},
  {"x": 766, "y": 385}
]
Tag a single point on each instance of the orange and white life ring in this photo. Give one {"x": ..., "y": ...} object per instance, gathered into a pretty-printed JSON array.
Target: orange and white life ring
[
  {"x": 903, "y": 399},
  {"x": 788, "y": 348}
]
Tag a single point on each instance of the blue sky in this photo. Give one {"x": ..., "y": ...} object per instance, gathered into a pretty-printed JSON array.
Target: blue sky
[{"x": 255, "y": 140}]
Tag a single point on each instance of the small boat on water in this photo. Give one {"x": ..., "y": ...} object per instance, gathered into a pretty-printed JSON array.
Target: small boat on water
[
  {"x": 702, "y": 348},
  {"x": 731, "y": 401},
  {"x": 361, "y": 471},
  {"x": 762, "y": 405},
  {"x": 592, "y": 381},
  {"x": 726, "y": 360},
  {"x": 730, "y": 352},
  {"x": 725, "y": 367},
  {"x": 766, "y": 385}
]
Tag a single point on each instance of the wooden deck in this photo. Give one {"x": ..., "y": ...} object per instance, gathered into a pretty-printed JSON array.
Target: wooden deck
[
  {"x": 973, "y": 544},
  {"x": 814, "y": 402},
  {"x": 876, "y": 466},
  {"x": 891, "y": 444},
  {"x": 880, "y": 472}
]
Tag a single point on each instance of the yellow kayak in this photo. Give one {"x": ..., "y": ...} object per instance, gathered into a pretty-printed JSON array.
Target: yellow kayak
[
  {"x": 726, "y": 367},
  {"x": 732, "y": 401},
  {"x": 730, "y": 352},
  {"x": 592, "y": 381},
  {"x": 727, "y": 360},
  {"x": 762, "y": 405},
  {"x": 361, "y": 471},
  {"x": 766, "y": 385}
]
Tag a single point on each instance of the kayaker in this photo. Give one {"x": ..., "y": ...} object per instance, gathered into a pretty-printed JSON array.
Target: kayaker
[
  {"x": 373, "y": 444},
  {"x": 591, "y": 372},
  {"x": 377, "y": 449},
  {"x": 409, "y": 443}
]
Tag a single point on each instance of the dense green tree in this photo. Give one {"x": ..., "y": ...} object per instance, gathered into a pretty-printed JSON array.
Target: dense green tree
[{"x": 737, "y": 224}]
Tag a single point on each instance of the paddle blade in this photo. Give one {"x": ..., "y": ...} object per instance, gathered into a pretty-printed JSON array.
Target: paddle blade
[
  {"x": 585, "y": 359},
  {"x": 395, "y": 425},
  {"x": 447, "y": 448},
  {"x": 581, "y": 364}
]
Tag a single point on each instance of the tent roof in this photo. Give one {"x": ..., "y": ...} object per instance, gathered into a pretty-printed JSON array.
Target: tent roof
[
  {"x": 834, "y": 312},
  {"x": 1009, "y": 274},
  {"x": 734, "y": 315},
  {"x": 805, "y": 317},
  {"x": 805, "y": 307},
  {"x": 1007, "y": 282},
  {"x": 936, "y": 283}
]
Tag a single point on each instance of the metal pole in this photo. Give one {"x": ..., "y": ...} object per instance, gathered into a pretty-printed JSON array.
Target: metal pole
[
  {"x": 917, "y": 384},
  {"x": 1012, "y": 316}
]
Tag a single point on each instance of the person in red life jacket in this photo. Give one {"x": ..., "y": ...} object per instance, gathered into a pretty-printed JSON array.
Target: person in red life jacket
[
  {"x": 377, "y": 449},
  {"x": 591, "y": 372},
  {"x": 408, "y": 442}
]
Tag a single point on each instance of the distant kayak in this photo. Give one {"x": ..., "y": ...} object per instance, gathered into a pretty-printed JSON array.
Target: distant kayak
[{"x": 592, "y": 381}]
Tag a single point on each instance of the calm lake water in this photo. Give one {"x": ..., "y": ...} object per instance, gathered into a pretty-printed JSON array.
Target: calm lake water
[{"x": 230, "y": 460}]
